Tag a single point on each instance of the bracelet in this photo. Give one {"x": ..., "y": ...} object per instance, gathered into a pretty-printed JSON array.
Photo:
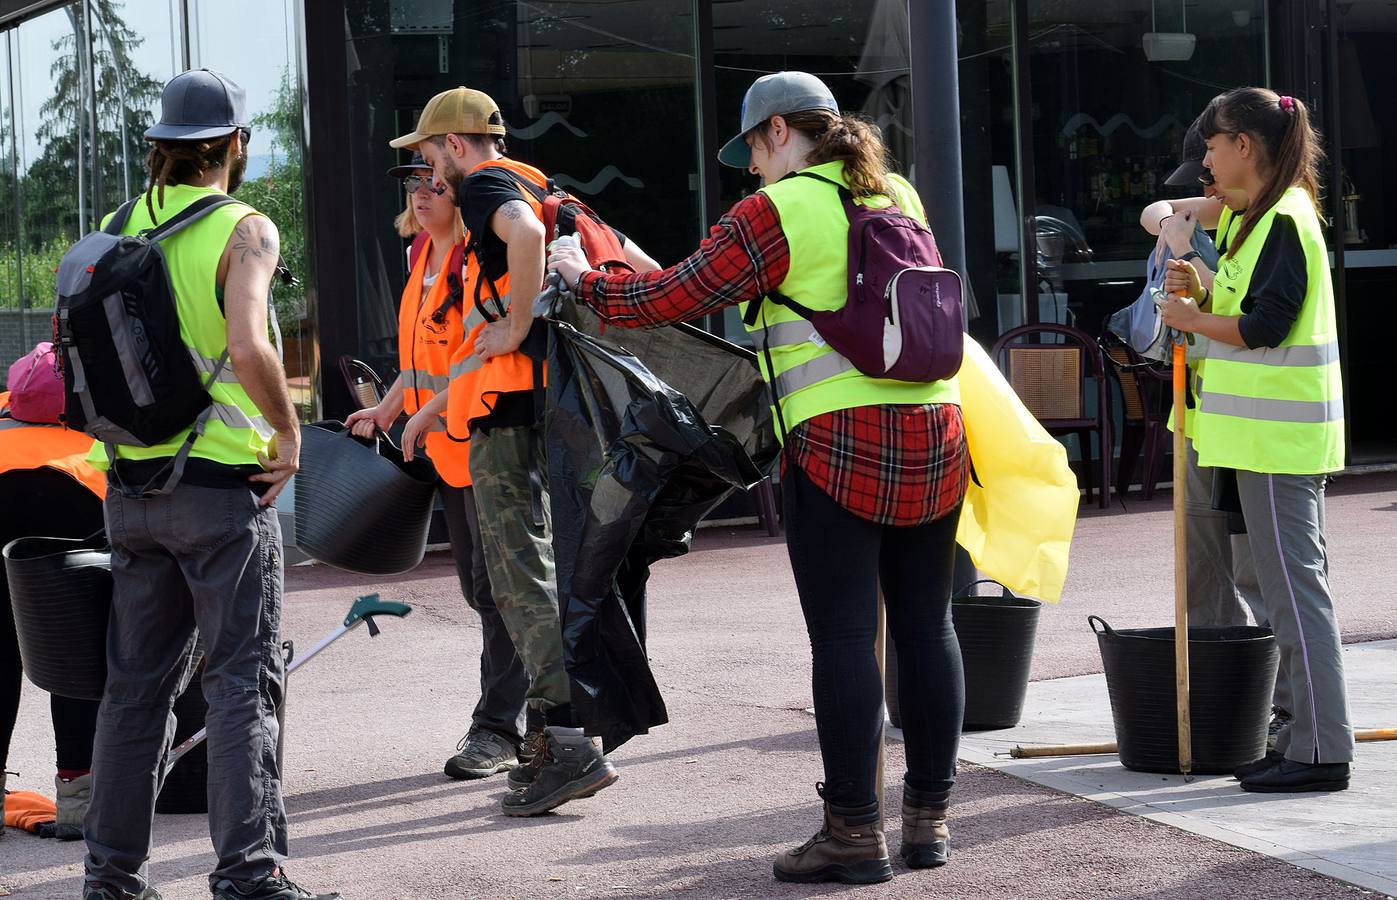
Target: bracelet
[
  {"x": 1162, "y": 220},
  {"x": 1192, "y": 254}
]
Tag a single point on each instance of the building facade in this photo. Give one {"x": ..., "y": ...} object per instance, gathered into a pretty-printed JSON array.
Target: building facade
[{"x": 1071, "y": 113}]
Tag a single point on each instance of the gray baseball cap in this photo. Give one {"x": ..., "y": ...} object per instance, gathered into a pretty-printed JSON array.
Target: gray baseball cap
[
  {"x": 777, "y": 94},
  {"x": 198, "y": 105}
]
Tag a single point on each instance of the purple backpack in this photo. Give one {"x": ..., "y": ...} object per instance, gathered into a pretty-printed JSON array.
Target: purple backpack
[{"x": 902, "y": 319}]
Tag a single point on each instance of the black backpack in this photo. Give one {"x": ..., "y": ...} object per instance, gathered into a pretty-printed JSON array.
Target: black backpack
[{"x": 128, "y": 376}]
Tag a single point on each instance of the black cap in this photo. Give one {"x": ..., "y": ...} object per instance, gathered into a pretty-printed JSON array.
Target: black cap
[
  {"x": 417, "y": 167},
  {"x": 1195, "y": 148},
  {"x": 198, "y": 105}
]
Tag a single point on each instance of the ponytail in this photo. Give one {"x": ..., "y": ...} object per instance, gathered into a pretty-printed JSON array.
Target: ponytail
[
  {"x": 853, "y": 140},
  {"x": 1280, "y": 125},
  {"x": 178, "y": 162}
]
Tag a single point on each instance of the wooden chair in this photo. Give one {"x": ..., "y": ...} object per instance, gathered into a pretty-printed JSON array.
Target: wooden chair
[
  {"x": 1051, "y": 380},
  {"x": 1145, "y": 400}
]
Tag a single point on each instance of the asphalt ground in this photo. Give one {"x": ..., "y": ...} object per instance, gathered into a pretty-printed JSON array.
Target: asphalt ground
[{"x": 705, "y": 802}]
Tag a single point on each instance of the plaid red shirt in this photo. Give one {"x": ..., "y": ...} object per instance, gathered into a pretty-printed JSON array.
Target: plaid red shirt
[{"x": 894, "y": 465}]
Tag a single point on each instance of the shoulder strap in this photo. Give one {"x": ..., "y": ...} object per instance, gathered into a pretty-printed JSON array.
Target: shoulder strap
[
  {"x": 537, "y": 192},
  {"x": 844, "y": 193},
  {"x": 415, "y": 250},
  {"x": 120, "y": 217},
  {"x": 754, "y": 308},
  {"x": 188, "y": 216}
]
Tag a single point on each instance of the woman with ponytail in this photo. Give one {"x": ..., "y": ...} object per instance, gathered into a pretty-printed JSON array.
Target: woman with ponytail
[
  {"x": 873, "y": 474},
  {"x": 1270, "y": 407}
]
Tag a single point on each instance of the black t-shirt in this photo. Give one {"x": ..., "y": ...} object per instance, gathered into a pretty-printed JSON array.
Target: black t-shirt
[{"x": 1278, "y": 287}]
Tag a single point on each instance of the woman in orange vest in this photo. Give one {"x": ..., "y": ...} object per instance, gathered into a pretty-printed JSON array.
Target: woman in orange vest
[
  {"x": 431, "y": 327},
  {"x": 46, "y": 488}
]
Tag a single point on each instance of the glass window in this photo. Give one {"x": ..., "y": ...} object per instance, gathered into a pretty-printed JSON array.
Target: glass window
[
  {"x": 14, "y": 326},
  {"x": 860, "y": 49},
  {"x": 598, "y": 95},
  {"x": 1115, "y": 86},
  {"x": 254, "y": 43}
]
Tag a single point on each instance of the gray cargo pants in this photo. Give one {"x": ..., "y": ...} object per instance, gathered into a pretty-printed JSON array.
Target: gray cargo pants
[
  {"x": 211, "y": 558},
  {"x": 1285, "y": 527},
  {"x": 503, "y": 679}
]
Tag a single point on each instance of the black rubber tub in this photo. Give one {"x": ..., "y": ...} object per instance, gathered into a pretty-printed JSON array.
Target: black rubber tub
[
  {"x": 61, "y": 591},
  {"x": 996, "y": 637},
  {"x": 359, "y": 506},
  {"x": 1231, "y": 674}
]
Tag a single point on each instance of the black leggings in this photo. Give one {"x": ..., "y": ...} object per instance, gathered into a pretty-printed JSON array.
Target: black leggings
[
  {"x": 45, "y": 503},
  {"x": 839, "y": 562}
]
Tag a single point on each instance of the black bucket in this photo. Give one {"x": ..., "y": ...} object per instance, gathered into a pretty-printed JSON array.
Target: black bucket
[
  {"x": 996, "y": 637},
  {"x": 61, "y": 591},
  {"x": 1232, "y": 671},
  {"x": 359, "y": 506}
]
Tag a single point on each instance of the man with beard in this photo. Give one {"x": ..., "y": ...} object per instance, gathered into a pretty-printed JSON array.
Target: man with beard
[
  {"x": 205, "y": 550},
  {"x": 494, "y": 401}
]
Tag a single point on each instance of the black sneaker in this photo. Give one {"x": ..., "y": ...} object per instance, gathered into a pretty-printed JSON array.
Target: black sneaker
[
  {"x": 1280, "y": 721},
  {"x": 573, "y": 768},
  {"x": 92, "y": 891},
  {"x": 481, "y": 753},
  {"x": 1291, "y": 777},
  {"x": 274, "y": 887}
]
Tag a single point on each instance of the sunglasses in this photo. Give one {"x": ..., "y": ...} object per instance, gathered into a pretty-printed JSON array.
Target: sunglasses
[
  {"x": 414, "y": 183},
  {"x": 1206, "y": 179}
]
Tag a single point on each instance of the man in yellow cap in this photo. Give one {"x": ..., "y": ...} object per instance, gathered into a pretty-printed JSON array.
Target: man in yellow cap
[{"x": 495, "y": 401}]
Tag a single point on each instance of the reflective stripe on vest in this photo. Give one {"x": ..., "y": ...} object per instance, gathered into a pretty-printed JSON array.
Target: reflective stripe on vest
[
  {"x": 226, "y": 375},
  {"x": 1275, "y": 410},
  {"x": 809, "y": 377},
  {"x": 422, "y": 380},
  {"x": 1299, "y": 411}
]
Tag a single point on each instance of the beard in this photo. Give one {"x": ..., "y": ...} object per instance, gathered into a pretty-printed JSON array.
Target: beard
[
  {"x": 452, "y": 175},
  {"x": 236, "y": 170}
]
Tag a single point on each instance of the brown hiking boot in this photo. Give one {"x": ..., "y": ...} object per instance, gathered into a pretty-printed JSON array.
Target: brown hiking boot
[
  {"x": 925, "y": 837},
  {"x": 532, "y": 756},
  {"x": 849, "y": 848}
]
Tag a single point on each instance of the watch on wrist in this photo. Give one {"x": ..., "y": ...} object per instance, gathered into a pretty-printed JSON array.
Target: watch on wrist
[{"x": 1192, "y": 254}]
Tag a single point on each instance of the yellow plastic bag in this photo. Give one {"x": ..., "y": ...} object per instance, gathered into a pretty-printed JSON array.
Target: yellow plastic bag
[{"x": 1017, "y": 522}]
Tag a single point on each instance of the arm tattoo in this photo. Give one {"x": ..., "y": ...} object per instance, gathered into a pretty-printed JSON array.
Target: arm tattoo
[
  {"x": 510, "y": 210},
  {"x": 244, "y": 244}
]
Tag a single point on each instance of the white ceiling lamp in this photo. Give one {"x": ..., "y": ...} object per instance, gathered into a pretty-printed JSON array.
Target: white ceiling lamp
[{"x": 1169, "y": 46}]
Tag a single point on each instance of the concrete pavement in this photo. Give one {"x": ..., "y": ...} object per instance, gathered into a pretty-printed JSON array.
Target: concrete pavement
[{"x": 704, "y": 802}]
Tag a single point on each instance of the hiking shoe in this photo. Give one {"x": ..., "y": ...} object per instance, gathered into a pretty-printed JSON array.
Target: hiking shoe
[
  {"x": 531, "y": 758},
  {"x": 74, "y": 797},
  {"x": 481, "y": 753},
  {"x": 840, "y": 851},
  {"x": 275, "y": 886},
  {"x": 91, "y": 891},
  {"x": 925, "y": 835},
  {"x": 1291, "y": 777},
  {"x": 573, "y": 767},
  {"x": 1280, "y": 720}
]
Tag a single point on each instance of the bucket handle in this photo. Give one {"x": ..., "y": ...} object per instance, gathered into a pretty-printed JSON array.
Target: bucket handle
[
  {"x": 379, "y": 435},
  {"x": 1093, "y": 621},
  {"x": 964, "y": 592}
]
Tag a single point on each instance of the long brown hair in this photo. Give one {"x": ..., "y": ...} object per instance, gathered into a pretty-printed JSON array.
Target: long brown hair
[
  {"x": 179, "y": 162},
  {"x": 852, "y": 139},
  {"x": 1281, "y": 126}
]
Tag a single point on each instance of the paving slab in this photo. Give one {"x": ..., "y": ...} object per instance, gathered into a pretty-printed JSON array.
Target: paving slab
[{"x": 1351, "y": 835}]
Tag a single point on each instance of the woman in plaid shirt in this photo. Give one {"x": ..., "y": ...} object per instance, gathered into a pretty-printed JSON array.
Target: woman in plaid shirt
[{"x": 870, "y": 490}]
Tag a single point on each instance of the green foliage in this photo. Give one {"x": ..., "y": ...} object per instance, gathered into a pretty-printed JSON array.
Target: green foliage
[{"x": 40, "y": 279}]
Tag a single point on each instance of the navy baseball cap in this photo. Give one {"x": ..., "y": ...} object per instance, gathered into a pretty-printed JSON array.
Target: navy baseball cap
[
  {"x": 198, "y": 105},
  {"x": 777, "y": 94},
  {"x": 418, "y": 166}
]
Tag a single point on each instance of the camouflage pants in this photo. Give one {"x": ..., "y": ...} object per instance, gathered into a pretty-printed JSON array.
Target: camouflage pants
[{"x": 519, "y": 555}]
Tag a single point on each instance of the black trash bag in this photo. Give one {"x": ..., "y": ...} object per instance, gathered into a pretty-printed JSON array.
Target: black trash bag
[{"x": 633, "y": 465}]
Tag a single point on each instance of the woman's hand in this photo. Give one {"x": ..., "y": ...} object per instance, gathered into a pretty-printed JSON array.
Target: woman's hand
[
  {"x": 415, "y": 431},
  {"x": 364, "y": 422},
  {"x": 1182, "y": 278},
  {"x": 569, "y": 262},
  {"x": 1181, "y": 314}
]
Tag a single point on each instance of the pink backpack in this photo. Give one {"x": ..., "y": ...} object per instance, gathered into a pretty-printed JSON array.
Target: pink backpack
[{"x": 36, "y": 388}]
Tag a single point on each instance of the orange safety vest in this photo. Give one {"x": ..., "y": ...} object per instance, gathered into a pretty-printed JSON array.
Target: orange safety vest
[
  {"x": 476, "y": 385},
  {"x": 25, "y": 446},
  {"x": 430, "y": 330}
]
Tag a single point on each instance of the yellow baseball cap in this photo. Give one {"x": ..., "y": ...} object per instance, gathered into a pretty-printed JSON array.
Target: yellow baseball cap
[{"x": 457, "y": 111}]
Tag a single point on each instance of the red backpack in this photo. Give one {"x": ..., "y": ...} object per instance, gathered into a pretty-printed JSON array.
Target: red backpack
[
  {"x": 454, "y": 261},
  {"x": 564, "y": 214},
  {"x": 36, "y": 387}
]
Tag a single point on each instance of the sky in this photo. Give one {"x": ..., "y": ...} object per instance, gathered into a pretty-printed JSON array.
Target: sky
[{"x": 250, "y": 41}]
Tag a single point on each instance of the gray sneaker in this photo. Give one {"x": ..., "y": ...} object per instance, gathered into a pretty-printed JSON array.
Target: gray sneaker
[
  {"x": 275, "y": 886},
  {"x": 481, "y": 753}
]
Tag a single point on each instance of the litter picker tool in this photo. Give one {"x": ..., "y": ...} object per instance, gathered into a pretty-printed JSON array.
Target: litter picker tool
[{"x": 361, "y": 613}]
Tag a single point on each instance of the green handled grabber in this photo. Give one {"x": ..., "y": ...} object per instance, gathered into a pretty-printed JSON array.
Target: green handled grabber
[{"x": 361, "y": 613}]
